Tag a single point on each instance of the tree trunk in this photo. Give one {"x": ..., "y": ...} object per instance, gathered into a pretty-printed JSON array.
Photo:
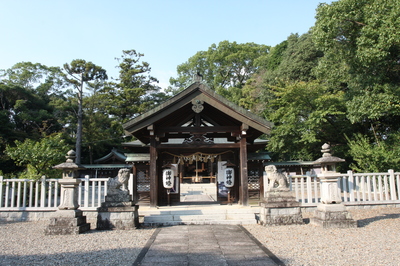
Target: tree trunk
[{"x": 80, "y": 124}]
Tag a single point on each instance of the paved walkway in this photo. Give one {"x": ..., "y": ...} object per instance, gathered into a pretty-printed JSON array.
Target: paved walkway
[{"x": 205, "y": 245}]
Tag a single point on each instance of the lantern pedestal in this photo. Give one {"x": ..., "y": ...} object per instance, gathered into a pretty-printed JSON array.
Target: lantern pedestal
[
  {"x": 67, "y": 222},
  {"x": 332, "y": 216},
  {"x": 118, "y": 212},
  {"x": 280, "y": 208}
]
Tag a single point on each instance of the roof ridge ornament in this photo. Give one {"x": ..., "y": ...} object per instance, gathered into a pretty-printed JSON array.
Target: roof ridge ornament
[{"x": 198, "y": 77}]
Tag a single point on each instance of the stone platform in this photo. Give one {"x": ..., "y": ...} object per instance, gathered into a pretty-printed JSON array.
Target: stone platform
[
  {"x": 67, "y": 222},
  {"x": 333, "y": 216},
  {"x": 117, "y": 215},
  {"x": 280, "y": 208}
]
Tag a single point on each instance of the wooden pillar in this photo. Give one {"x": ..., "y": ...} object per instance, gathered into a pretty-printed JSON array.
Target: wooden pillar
[
  {"x": 135, "y": 194},
  {"x": 244, "y": 186},
  {"x": 153, "y": 173}
]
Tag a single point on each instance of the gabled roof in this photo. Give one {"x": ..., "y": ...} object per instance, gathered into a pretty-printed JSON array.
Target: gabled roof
[
  {"x": 113, "y": 154},
  {"x": 178, "y": 108}
]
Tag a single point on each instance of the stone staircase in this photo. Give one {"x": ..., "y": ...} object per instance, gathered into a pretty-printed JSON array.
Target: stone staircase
[
  {"x": 198, "y": 214},
  {"x": 198, "y": 206}
]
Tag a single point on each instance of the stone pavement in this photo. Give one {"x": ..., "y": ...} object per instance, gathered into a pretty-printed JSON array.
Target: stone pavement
[{"x": 205, "y": 245}]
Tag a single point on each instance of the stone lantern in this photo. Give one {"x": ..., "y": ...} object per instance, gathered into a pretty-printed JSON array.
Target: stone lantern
[
  {"x": 69, "y": 183},
  {"x": 68, "y": 219},
  {"x": 330, "y": 213},
  {"x": 329, "y": 177}
]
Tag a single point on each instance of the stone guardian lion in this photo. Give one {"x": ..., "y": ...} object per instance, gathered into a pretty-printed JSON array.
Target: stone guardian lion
[
  {"x": 276, "y": 177},
  {"x": 119, "y": 183}
]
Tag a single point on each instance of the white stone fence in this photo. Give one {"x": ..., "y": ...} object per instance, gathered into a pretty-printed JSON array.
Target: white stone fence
[
  {"x": 44, "y": 194},
  {"x": 354, "y": 188}
]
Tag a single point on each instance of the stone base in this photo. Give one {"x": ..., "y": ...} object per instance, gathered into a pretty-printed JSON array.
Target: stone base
[
  {"x": 118, "y": 217},
  {"x": 280, "y": 208},
  {"x": 332, "y": 216},
  {"x": 121, "y": 196},
  {"x": 67, "y": 222}
]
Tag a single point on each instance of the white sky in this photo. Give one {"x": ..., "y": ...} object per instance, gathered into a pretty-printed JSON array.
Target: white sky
[{"x": 167, "y": 32}]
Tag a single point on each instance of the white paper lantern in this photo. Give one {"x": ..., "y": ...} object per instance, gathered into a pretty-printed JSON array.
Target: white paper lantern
[
  {"x": 229, "y": 177},
  {"x": 168, "y": 178}
]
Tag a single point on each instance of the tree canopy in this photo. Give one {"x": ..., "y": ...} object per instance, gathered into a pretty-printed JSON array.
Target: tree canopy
[
  {"x": 224, "y": 67},
  {"x": 338, "y": 83}
]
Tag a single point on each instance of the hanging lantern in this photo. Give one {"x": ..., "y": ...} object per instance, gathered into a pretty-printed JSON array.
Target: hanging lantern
[
  {"x": 229, "y": 177},
  {"x": 168, "y": 178}
]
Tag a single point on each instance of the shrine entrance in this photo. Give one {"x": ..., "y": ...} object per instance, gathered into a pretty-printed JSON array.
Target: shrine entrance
[{"x": 197, "y": 134}]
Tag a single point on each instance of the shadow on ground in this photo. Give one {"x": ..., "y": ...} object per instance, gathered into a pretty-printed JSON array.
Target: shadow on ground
[{"x": 365, "y": 222}]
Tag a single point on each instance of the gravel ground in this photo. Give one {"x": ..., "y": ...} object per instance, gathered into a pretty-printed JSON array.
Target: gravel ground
[
  {"x": 375, "y": 242},
  {"x": 24, "y": 243}
]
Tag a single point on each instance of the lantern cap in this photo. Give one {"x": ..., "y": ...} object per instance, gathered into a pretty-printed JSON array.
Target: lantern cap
[
  {"x": 70, "y": 162},
  {"x": 327, "y": 156}
]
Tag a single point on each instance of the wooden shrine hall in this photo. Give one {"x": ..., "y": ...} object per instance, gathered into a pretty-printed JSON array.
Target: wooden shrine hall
[{"x": 199, "y": 133}]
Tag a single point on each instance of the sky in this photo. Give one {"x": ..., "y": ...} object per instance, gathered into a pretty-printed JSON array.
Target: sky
[{"x": 167, "y": 32}]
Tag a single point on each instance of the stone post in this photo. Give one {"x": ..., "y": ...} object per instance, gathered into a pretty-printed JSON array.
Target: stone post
[
  {"x": 68, "y": 220},
  {"x": 331, "y": 213}
]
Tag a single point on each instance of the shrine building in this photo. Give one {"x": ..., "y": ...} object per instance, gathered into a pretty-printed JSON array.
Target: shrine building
[{"x": 197, "y": 133}]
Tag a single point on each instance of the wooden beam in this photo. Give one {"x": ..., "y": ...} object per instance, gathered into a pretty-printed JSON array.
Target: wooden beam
[
  {"x": 244, "y": 186},
  {"x": 153, "y": 173},
  {"x": 202, "y": 146},
  {"x": 200, "y": 130}
]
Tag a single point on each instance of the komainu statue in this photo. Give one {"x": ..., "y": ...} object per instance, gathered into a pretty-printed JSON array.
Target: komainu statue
[
  {"x": 276, "y": 177},
  {"x": 119, "y": 183}
]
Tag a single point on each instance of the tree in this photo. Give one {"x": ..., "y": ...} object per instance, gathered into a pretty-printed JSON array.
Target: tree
[
  {"x": 135, "y": 90},
  {"x": 38, "y": 156},
  {"x": 101, "y": 131},
  {"x": 80, "y": 72},
  {"x": 225, "y": 67},
  {"x": 305, "y": 114},
  {"x": 361, "y": 47},
  {"x": 45, "y": 81},
  {"x": 374, "y": 156}
]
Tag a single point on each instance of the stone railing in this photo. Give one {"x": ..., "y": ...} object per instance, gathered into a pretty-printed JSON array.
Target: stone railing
[
  {"x": 355, "y": 188},
  {"x": 45, "y": 195}
]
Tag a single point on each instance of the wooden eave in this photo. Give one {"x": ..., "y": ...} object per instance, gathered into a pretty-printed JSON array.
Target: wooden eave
[{"x": 165, "y": 118}]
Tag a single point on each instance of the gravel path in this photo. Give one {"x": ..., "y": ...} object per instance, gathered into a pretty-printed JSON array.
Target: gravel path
[
  {"x": 375, "y": 242},
  {"x": 24, "y": 243}
]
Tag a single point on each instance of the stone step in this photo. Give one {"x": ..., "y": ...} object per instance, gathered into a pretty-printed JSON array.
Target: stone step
[{"x": 200, "y": 215}]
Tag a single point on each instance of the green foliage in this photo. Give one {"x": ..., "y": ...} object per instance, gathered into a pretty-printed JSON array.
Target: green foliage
[
  {"x": 225, "y": 67},
  {"x": 135, "y": 90},
  {"x": 305, "y": 114},
  {"x": 361, "y": 48},
  {"x": 80, "y": 71},
  {"x": 38, "y": 156},
  {"x": 374, "y": 156},
  {"x": 364, "y": 34}
]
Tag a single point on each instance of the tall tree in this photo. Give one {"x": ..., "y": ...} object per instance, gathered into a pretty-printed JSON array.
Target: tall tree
[
  {"x": 80, "y": 72},
  {"x": 305, "y": 114},
  {"x": 361, "y": 48},
  {"x": 225, "y": 67},
  {"x": 134, "y": 91}
]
